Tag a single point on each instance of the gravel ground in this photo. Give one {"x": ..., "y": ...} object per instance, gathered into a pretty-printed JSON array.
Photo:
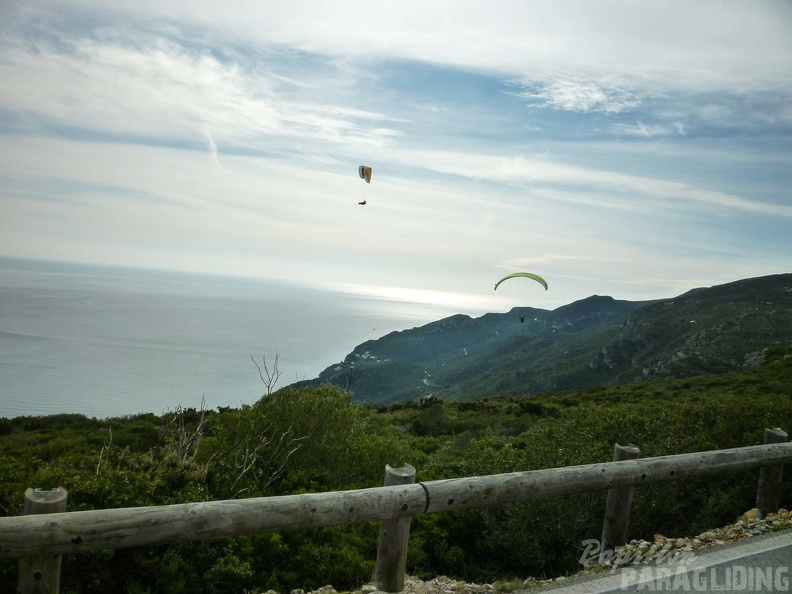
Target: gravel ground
[{"x": 636, "y": 551}]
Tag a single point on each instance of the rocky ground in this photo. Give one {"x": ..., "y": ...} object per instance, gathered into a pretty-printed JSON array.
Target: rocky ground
[{"x": 636, "y": 551}]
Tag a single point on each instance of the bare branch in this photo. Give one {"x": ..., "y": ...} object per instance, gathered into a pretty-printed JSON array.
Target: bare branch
[
  {"x": 269, "y": 378},
  {"x": 351, "y": 376},
  {"x": 260, "y": 458},
  {"x": 105, "y": 449}
]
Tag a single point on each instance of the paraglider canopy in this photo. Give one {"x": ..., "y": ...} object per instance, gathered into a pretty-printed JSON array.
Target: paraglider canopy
[
  {"x": 365, "y": 173},
  {"x": 530, "y": 275}
]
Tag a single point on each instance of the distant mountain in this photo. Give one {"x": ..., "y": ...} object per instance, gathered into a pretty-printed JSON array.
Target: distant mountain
[{"x": 592, "y": 342}]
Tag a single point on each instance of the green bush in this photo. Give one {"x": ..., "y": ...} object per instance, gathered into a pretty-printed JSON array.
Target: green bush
[{"x": 317, "y": 439}]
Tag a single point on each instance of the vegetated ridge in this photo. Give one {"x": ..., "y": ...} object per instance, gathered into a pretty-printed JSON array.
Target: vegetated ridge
[
  {"x": 317, "y": 439},
  {"x": 597, "y": 341}
]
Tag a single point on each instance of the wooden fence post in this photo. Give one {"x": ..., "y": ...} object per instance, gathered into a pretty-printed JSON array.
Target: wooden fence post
[
  {"x": 768, "y": 495},
  {"x": 394, "y": 536},
  {"x": 41, "y": 575},
  {"x": 618, "y": 507}
]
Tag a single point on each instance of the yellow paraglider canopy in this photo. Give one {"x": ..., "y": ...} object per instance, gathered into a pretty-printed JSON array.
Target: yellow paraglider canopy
[{"x": 530, "y": 275}]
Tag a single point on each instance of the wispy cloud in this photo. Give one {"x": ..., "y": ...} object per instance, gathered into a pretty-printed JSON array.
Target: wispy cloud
[
  {"x": 579, "y": 93},
  {"x": 153, "y": 88},
  {"x": 546, "y": 258},
  {"x": 527, "y": 173},
  {"x": 641, "y": 129},
  {"x": 211, "y": 146}
]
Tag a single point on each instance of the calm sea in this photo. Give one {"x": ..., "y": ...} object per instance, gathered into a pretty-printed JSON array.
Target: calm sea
[{"x": 109, "y": 342}]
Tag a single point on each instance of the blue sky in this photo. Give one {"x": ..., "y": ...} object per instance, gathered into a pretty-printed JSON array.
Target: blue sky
[{"x": 634, "y": 149}]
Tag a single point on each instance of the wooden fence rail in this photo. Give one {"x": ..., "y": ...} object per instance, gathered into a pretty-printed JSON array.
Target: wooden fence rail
[{"x": 77, "y": 532}]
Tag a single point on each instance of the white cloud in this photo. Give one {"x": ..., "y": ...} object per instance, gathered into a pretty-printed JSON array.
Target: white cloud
[
  {"x": 612, "y": 57},
  {"x": 211, "y": 145},
  {"x": 154, "y": 88},
  {"x": 546, "y": 258},
  {"x": 158, "y": 207},
  {"x": 528, "y": 173},
  {"x": 579, "y": 93},
  {"x": 285, "y": 99},
  {"x": 670, "y": 44},
  {"x": 647, "y": 130}
]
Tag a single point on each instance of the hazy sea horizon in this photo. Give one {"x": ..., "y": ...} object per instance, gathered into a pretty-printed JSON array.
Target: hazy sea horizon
[{"x": 109, "y": 341}]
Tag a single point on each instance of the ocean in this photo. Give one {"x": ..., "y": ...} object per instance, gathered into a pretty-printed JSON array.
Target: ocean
[{"x": 109, "y": 342}]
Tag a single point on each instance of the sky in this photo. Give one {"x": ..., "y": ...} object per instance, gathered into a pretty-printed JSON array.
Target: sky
[{"x": 623, "y": 148}]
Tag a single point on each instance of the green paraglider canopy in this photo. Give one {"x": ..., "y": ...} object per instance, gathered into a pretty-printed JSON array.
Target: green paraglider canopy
[{"x": 530, "y": 275}]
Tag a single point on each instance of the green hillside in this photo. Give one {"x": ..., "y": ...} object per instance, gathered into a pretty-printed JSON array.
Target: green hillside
[
  {"x": 319, "y": 439},
  {"x": 592, "y": 342}
]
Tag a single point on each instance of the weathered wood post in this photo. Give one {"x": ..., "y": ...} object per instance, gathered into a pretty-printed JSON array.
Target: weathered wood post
[
  {"x": 618, "y": 507},
  {"x": 41, "y": 575},
  {"x": 768, "y": 495},
  {"x": 393, "y": 538}
]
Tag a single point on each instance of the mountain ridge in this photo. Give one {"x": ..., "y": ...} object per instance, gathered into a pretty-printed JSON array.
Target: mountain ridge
[{"x": 595, "y": 341}]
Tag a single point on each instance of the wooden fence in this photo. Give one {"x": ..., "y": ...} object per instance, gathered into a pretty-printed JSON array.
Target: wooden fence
[{"x": 39, "y": 541}]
